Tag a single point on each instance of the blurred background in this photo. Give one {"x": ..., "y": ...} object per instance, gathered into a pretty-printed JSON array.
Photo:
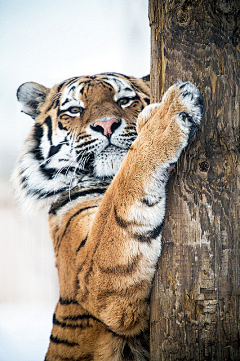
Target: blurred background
[{"x": 48, "y": 41}]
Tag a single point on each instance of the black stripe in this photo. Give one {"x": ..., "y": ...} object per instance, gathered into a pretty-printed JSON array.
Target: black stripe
[
  {"x": 66, "y": 82},
  {"x": 62, "y": 203},
  {"x": 74, "y": 318},
  {"x": 71, "y": 81},
  {"x": 40, "y": 195},
  {"x": 156, "y": 231},
  {"x": 81, "y": 317},
  {"x": 120, "y": 221},
  {"x": 148, "y": 236},
  {"x": 58, "y": 323},
  {"x": 50, "y": 173},
  {"x": 66, "y": 101},
  {"x": 67, "y": 301},
  {"x": 61, "y": 127},
  {"x": 149, "y": 203},
  {"x": 145, "y": 237},
  {"x": 131, "y": 135},
  {"x": 87, "y": 143},
  {"x": 48, "y": 121},
  {"x": 82, "y": 243},
  {"x": 58, "y": 340},
  {"x": 116, "y": 75},
  {"x": 53, "y": 104},
  {"x": 73, "y": 216},
  {"x": 130, "y": 127},
  {"x": 72, "y": 88},
  {"x": 65, "y": 324},
  {"x": 60, "y": 86},
  {"x": 37, "y": 135},
  {"x": 54, "y": 149},
  {"x": 82, "y": 137}
]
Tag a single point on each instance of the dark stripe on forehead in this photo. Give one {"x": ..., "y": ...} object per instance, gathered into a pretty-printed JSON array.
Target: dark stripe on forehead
[
  {"x": 60, "y": 86},
  {"x": 116, "y": 75},
  {"x": 66, "y": 101},
  {"x": 71, "y": 81},
  {"x": 54, "y": 103},
  {"x": 66, "y": 82},
  {"x": 86, "y": 86}
]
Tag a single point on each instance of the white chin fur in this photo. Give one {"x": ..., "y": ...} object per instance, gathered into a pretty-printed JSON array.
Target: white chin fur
[{"x": 108, "y": 162}]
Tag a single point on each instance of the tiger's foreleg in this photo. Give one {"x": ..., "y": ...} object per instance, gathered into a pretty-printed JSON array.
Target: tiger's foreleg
[{"x": 124, "y": 242}]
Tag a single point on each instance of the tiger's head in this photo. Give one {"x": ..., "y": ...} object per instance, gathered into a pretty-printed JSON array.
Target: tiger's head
[{"x": 83, "y": 129}]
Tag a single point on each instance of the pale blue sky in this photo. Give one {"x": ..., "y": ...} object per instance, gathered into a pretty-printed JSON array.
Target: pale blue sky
[{"x": 48, "y": 41}]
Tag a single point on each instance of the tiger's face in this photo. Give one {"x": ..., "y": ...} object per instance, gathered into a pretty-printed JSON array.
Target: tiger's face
[{"x": 83, "y": 128}]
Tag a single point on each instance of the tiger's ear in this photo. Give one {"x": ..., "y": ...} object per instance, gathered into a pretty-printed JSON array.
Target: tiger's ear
[
  {"x": 146, "y": 78},
  {"x": 31, "y": 96}
]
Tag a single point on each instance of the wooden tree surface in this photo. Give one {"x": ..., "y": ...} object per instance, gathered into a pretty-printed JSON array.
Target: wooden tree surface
[{"x": 195, "y": 305}]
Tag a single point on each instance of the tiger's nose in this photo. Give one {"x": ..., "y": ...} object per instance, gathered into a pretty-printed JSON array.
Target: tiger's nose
[{"x": 107, "y": 127}]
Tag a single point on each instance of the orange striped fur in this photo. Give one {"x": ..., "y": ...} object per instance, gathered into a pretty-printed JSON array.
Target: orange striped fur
[{"x": 102, "y": 164}]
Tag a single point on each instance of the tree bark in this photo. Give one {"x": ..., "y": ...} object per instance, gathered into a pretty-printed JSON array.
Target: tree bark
[{"x": 195, "y": 304}]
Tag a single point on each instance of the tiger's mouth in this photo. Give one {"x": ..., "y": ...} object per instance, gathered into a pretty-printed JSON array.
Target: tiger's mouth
[
  {"x": 110, "y": 148},
  {"x": 104, "y": 164},
  {"x": 108, "y": 161}
]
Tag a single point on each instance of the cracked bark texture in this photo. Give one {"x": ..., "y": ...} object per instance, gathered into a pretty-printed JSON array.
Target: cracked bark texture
[{"x": 195, "y": 304}]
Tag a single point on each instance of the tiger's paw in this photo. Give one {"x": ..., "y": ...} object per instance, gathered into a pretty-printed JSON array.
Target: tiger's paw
[
  {"x": 181, "y": 99},
  {"x": 191, "y": 99}
]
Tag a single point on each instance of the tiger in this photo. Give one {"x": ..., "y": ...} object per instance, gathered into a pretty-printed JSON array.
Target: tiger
[{"x": 99, "y": 156}]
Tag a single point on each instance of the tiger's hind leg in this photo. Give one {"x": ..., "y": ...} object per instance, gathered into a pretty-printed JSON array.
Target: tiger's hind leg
[{"x": 79, "y": 336}]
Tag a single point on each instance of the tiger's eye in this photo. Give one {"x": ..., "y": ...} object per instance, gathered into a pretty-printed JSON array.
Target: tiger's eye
[
  {"x": 74, "y": 110},
  {"x": 123, "y": 101}
]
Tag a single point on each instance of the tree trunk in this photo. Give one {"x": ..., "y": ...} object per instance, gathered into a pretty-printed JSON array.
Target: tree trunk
[{"x": 195, "y": 305}]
